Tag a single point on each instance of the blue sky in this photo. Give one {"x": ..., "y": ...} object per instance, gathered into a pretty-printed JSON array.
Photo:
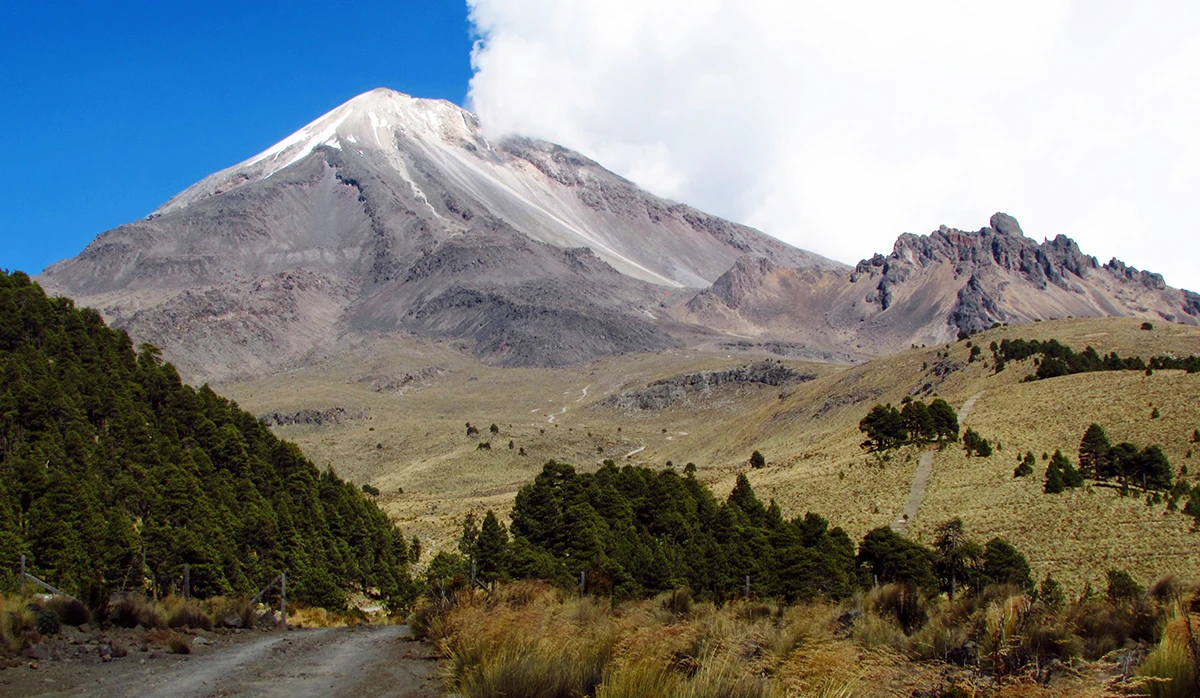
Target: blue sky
[
  {"x": 110, "y": 108},
  {"x": 830, "y": 127}
]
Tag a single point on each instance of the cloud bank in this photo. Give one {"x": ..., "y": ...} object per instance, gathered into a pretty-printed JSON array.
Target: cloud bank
[{"x": 837, "y": 126}]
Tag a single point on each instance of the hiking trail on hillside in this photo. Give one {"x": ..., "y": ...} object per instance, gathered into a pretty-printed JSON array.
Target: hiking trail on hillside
[{"x": 924, "y": 468}]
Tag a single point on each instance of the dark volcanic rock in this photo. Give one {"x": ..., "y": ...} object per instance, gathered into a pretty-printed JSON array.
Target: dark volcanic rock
[
  {"x": 1006, "y": 225},
  {"x": 975, "y": 310},
  {"x": 678, "y": 389},
  {"x": 316, "y": 418}
]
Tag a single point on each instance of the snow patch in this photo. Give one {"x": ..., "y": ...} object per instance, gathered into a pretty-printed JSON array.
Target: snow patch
[{"x": 330, "y": 131}]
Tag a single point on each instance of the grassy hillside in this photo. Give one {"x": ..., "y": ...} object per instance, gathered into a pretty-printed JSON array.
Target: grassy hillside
[{"x": 415, "y": 437}]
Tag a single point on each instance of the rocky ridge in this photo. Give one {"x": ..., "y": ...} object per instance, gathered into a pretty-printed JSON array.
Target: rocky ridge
[
  {"x": 678, "y": 390},
  {"x": 313, "y": 417},
  {"x": 931, "y": 289}
]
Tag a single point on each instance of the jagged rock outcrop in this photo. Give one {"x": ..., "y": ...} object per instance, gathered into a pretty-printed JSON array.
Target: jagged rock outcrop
[
  {"x": 314, "y": 418},
  {"x": 403, "y": 382},
  {"x": 999, "y": 261},
  {"x": 687, "y": 388},
  {"x": 931, "y": 289}
]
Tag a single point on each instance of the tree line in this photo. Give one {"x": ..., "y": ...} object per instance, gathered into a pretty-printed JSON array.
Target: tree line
[
  {"x": 634, "y": 532},
  {"x": 1056, "y": 359},
  {"x": 114, "y": 474}
]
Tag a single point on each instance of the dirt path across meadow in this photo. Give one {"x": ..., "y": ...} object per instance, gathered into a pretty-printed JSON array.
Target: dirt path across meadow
[
  {"x": 916, "y": 495},
  {"x": 358, "y": 662}
]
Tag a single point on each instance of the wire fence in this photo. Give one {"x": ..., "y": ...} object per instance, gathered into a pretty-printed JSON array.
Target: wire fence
[{"x": 25, "y": 577}]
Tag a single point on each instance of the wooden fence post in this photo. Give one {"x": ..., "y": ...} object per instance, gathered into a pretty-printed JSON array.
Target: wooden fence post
[
  {"x": 187, "y": 581},
  {"x": 747, "y": 586},
  {"x": 582, "y": 583},
  {"x": 283, "y": 597},
  {"x": 21, "y": 589}
]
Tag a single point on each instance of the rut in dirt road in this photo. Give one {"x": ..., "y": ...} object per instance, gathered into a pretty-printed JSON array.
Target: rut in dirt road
[
  {"x": 924, "y": 469},
  {"x": 363, "y": 662}
]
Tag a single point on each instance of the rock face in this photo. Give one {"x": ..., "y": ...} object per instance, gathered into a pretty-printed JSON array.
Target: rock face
[
  {"x": 930, "y": 289},
  {"x": 395, "y": 214},
  {"x": 682, "y": 389}
]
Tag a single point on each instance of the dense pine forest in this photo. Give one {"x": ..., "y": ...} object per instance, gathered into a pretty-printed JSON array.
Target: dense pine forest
[
  {"x": 633, "y": 532},
  {"x": 114, "y": 474}
]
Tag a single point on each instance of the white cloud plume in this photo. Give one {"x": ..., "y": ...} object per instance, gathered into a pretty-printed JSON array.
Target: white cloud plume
[{"x": 836, "y": 126}]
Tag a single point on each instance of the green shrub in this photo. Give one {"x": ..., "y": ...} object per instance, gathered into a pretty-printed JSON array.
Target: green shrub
[
  {"x": 47, "y": 622},
  {"x": 1122, "y": 587}
]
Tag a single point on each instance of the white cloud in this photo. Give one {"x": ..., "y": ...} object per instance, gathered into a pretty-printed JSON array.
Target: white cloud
[{"x": 837, "y": 126}]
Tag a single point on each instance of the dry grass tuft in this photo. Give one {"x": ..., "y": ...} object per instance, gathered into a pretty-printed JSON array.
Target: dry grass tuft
[
  {"x": 186, "y": 614},
  {"x": 316, "y": 617},
  {"x": 554, "y": 646},
  {"x": 15, "y": 617},
  {"x": 134, "y": 610},
  {"x": 179, "y": 644},
  {"x": 1170, "y": 670},
  {"x": 532, "y": 640},
  {"x": 232, "y": 612}
]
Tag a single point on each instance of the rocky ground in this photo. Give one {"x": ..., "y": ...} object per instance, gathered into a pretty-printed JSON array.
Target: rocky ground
[{"x": 362, "y": 661}]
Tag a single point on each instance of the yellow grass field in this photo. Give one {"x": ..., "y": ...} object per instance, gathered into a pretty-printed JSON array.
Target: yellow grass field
[{"x": 415, "y": 437}]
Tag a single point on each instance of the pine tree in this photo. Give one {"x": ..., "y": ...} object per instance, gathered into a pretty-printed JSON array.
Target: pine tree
[
  {"x": 1094, "y": 453},
  {"x": 96, "y": 435},
  {"x": 919, "y": 422},
  {"x": 1069, "y": 475},
  {"x": 884, "y": 428},
  {"x": 955, "y": 555},
  {"x": 468, "y": 537},
  {"x": 945, "y": 420},
  {"x": 1025, "y": 468},
  {"x": 974, "y": 443},
  {"x": 743, "y": 498},
  {"x": 1054, "y": 479},
  {"x": 1153, "y": 469},
  {"x": 491, "y": 548},
  {"x": 1051, "y": 592},
  {"x": 1004, "y": 564}
]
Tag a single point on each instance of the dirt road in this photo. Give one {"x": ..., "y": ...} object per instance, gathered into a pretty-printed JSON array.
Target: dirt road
[{"x": 363, "y": 662}]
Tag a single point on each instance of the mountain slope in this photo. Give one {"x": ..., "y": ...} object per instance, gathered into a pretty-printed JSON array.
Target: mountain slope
[
  {"x": 931, "y": 288},
  {"x": 396, "y": 213},
  {"x": 114, "y": 475}
]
